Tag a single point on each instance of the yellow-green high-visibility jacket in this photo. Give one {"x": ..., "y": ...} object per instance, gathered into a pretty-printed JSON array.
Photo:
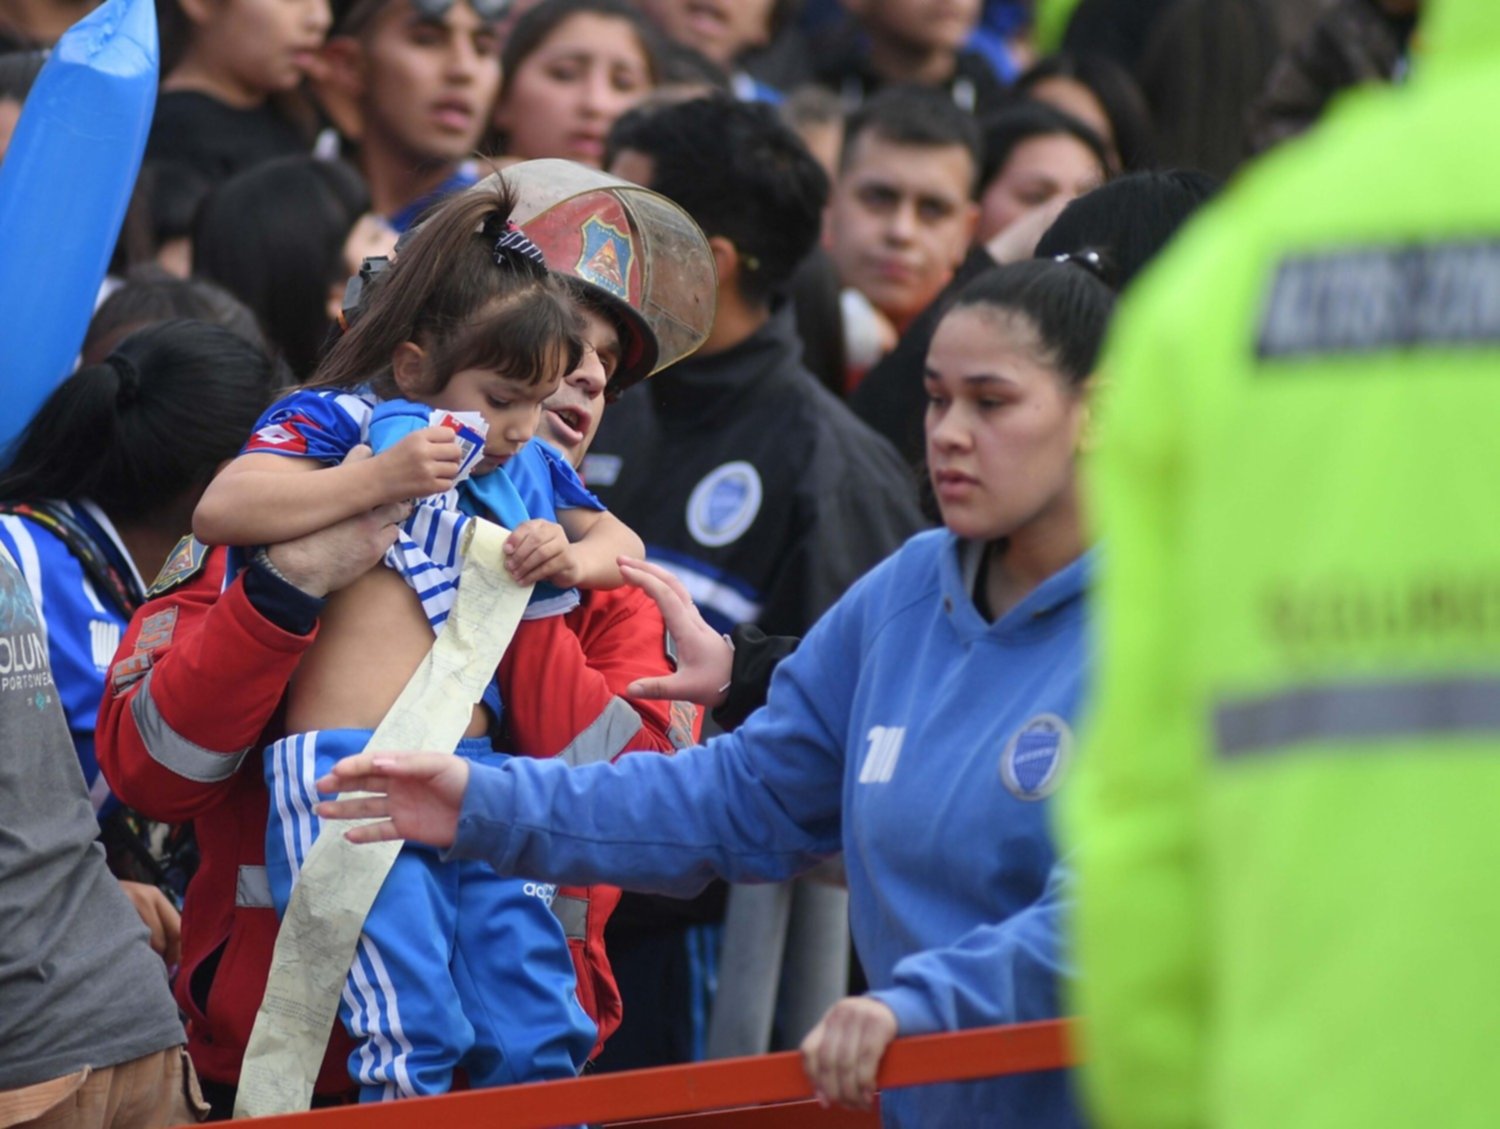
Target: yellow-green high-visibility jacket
[{"x": 1287, "y": 809}]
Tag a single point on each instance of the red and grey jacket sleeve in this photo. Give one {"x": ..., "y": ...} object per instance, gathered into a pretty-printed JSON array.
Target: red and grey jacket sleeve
[
  {"x": 563, "y": 681},
  {"x": 198, "y": 676}
]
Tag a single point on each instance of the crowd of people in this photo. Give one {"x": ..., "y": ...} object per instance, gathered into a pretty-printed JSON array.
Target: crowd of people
[{"x": 779, "y": 338}]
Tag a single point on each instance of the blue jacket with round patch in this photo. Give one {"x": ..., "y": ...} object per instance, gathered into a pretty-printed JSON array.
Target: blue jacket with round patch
[{"x": 910, "y": 733}]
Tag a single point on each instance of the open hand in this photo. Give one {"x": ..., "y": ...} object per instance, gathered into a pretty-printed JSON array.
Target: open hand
[
  {"x": 539, "y": 550},
  {"x": 842, "y": 1053},
  {"x": 424, "y": 463},
  {"x": 705, "y": 659},
  {"x": 415, "y": 796}
]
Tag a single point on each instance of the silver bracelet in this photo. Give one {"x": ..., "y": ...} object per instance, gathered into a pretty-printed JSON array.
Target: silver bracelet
[{"x": 261, "y": 558}]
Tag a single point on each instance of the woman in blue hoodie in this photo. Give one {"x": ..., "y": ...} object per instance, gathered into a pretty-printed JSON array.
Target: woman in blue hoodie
[{"x": 920, "y": 728}]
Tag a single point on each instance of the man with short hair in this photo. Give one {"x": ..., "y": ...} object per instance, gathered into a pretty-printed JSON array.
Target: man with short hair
[
  {"x": 903, "y": 212},
  {"x": 412, "y": 87},
  {"x": 745, "y": 477}
]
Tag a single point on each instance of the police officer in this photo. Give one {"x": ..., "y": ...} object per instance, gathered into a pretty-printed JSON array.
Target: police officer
[{"x": 1285, "y": 817}]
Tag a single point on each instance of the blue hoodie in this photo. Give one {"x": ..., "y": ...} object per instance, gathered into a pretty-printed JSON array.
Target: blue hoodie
[{"x": 906, "y": 731}]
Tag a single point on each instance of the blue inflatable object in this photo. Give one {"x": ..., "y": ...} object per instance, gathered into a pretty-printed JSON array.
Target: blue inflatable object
[{"x": 64, "y": 187}]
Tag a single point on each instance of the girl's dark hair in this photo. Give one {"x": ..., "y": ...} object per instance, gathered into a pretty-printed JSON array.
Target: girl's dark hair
[
  {"x": 1065, "y": 302},
  {"x": 146, "y": 427},
  {"x": 533, "y": 28},
  {"x": 450, "y": 293},
  {"x": 1005, "y": 130},
  {"x": 1117, "y": 91},
  {"x": 152, "y": 295},
  {"x": 273, "y": 236}
]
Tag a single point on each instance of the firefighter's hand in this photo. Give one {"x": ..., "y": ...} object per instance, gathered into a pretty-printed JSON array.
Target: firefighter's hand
[
  {"x": 161, "y": 917},
  {"x": 416, "y": 796},
  {"x": 842, "y": 1053},
  {"x": 330, "y": 559},
  {"x": 705, "y": 660}
]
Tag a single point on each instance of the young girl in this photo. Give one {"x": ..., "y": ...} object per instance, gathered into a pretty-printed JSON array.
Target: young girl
[
  {"x": 480, "y": 387},
  {"x": 456, "y": 966},
  {"x": 939, "y": 694},
  {"x": 571, "y": 67},
  {"x": 230, "y": 67}
]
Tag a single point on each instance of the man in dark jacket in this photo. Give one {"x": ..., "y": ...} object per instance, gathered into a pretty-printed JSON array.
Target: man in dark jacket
[{"x": 756, "y": 486}]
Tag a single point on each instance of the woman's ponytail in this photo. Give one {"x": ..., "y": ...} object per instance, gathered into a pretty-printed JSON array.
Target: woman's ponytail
[
  {"x": 64, "y": 451},
  {"x": 148, "y": 424}
]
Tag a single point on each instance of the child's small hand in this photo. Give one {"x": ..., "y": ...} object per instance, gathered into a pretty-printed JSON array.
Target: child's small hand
[
  {"x": 424, "y": 463},
  {"x": 539, "y": 550}
]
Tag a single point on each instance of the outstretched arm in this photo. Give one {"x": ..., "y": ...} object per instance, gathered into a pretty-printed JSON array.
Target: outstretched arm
[
  {"x": 759, "y": 804},
  {"x": 262, "y": 498}
]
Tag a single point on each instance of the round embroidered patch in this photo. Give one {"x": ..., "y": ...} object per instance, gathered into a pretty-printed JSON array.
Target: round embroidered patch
[
  {"x": 724, "y": 504},
  {"x": 1034, "y": 760}
]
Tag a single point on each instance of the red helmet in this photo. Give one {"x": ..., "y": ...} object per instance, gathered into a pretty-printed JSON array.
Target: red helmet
[{"x": 630, "y": 250}]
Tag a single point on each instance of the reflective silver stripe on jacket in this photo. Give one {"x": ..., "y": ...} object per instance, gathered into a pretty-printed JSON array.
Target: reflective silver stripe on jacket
[
  {"x": 174, "y": 752},
  {"x": 607, "y": 736},
  {"x": 573, "y": 913},
  {"x": 252, "y": 889},
  {"x": 1360, "y": 711}
]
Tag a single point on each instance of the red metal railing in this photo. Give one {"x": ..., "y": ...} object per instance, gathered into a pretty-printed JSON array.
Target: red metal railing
[{"x": 739, "y": 1093}]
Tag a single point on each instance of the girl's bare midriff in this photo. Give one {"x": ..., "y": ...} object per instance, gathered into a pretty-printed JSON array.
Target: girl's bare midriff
[{"x": 373, "y": 635}]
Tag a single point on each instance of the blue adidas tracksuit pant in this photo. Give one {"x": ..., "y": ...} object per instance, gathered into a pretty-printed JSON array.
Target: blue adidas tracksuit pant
[{"x": 456, "y": 967}]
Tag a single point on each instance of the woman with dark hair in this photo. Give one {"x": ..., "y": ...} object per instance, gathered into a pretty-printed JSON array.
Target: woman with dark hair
[
  {"x": 942, "y": 688},
  {"x": 1034, "y": 154},
  {"x": 1102, "y": 95},
  {"x": 571, "y": 67},
  {"x": 284, "y": 237},
  {"x": 101, "y": 486}
]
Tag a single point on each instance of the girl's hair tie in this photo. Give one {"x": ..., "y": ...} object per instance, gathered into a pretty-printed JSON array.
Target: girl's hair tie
[
  {"x": 515, "y": 248},
  {"x": 129, "y": 378}
]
